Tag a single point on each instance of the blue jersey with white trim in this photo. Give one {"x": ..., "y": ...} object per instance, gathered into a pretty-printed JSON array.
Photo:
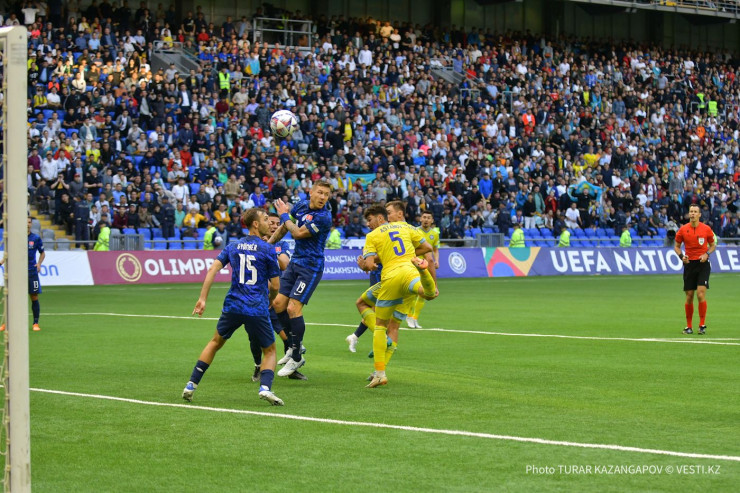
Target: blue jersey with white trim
[
  {"x": 309, "y": 252},
  {"x": 253, "y": 263},
  {"x": 34, "y": 245}
]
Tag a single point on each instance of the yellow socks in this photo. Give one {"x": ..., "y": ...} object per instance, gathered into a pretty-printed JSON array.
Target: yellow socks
[
  {"x": 427, "y": 282},
  {"x": 418, "y": 306},
  {"x": 368, "y": 317},
  {"x": 389, "y": 350},
  {"x": 379, "y": 348}
]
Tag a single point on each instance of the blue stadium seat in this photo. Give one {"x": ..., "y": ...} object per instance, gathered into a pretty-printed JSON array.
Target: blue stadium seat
[
  {"x": 474, "y": 232},
  {"x": 194, "y": 188},
  {"x": 662, "y": 232},
  {"x": 590, "y": 232},
  {"x": 137, "y": 161},
  {"x": 578, "y": 233},
  {"x": 488, "y": 230},
  {"x": 61, "y": 114},
  {"x": 546, "y": 233},
  {"x": 47, "y": 114},
  {"x": 129, "y": 231},
  {"x": 160, "y": 245},
  {"x": 156, "y": 233},
  {"x": 531, "y": 232},
  {"x": 601, "y": 232},
  {"x": 188, "y": 245}
]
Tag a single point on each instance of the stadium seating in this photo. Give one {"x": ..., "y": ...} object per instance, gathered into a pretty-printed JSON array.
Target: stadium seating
[{"x": 686, "y": 118}]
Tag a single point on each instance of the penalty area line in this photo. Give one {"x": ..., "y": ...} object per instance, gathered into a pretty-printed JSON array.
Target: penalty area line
[
  {"x": 489, "y": 436},
  {"x": 434, "y": 329}
]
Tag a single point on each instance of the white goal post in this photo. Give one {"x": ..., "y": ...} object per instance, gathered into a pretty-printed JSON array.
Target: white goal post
[{"x": 17, "y": 474}]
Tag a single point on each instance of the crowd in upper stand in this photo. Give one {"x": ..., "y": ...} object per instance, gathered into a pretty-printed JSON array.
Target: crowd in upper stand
[{"x": 552, "y": 133}]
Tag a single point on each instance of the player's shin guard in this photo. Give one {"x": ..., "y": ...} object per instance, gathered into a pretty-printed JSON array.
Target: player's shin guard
[
  {"x": 368, "y": 317},
  {"x": 689, "y": 309},
  {"x": 266, "y": 378},
  {"x": 379, "y": 347},
  {"x": 702, "y": 312},
  {"x": 256, "y": 352},
  {"x": 389, "y": 350},
  {"x": 36, "y": 308},
  {"x": 198, "y": 371},
  {"x": 298, "y": 328},
  {"x": 427, "y": 282}
]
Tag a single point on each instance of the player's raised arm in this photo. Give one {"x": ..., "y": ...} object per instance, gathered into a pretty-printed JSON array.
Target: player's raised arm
[
  {"x": 278, "y": 234},
  {"x": 296, "y": 232},
  {"x": 200, "y": 306}
]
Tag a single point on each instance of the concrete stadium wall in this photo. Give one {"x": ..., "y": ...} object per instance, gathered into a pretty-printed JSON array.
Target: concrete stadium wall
[{"x": 551, "y": 17}]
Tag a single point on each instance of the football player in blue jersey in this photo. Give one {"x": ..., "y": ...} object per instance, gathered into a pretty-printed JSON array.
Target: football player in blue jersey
[
  {"x": 282, "y": 249},
  {"x": 309, "y": 223},
  {"x": 35, "y": 245},
  {"x": 255, "y": 280}
]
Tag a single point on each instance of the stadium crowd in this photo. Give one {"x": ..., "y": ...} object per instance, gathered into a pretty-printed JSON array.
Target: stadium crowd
[{"x": 549, "y": 133}]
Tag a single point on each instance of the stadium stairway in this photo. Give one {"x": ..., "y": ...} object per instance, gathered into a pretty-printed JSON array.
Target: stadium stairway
[{"x": 47, "y": 224}]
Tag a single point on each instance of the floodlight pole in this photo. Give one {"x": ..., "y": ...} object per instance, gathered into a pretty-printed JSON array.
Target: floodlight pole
[{"x": 16, "y": 135}]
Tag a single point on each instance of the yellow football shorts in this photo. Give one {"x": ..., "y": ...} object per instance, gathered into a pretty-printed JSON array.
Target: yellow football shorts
[{"x": 397, "y": 293}]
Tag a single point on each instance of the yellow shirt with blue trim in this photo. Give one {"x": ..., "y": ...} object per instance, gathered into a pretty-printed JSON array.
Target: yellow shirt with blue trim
[
  {"x": 432, "y": 236},
  {"x": 394, "y": 244}
]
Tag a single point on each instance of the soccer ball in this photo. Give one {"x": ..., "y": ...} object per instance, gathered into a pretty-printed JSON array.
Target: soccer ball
[
  {"x": 283, "y": 123},
  {"x": 217, "y": 241}
]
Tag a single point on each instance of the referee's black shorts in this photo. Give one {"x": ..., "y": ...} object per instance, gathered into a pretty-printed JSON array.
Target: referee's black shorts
[{"x": 696, "y": 273}]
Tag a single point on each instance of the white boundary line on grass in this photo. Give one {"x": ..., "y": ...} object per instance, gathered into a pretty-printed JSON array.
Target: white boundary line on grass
[
  {"x": 540, "y": 441},
  {"x": 480, "y": 332}
]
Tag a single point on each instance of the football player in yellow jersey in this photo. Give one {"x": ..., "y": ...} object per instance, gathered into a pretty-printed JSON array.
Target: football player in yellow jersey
[
  {"x": 404, "y": 275},
  {"x": 431, "y": 235}
]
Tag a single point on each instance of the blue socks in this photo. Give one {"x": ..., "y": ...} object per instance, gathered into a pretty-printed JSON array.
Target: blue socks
[
  {"x": 198, "y": 371},
  {"x": 266, "y": 378},
  {"x": 36, "y": 308},
  {"x": 298, "y": 328},
  {"x": 284, "y": 321},
  {"x": 360, "y": 329},
  {"x": 256, "y": 352}
]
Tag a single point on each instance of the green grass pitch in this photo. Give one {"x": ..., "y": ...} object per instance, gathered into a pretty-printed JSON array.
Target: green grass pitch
[{"x": 594, "y": 388}]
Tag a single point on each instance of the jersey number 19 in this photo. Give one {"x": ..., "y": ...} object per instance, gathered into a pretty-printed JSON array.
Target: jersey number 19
[{"x": 245, "y": 262}]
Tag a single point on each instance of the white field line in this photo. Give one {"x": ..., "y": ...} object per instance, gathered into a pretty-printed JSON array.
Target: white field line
[
  {"x": 490, "y": 436},
  {"x": 479, "y": 332}
]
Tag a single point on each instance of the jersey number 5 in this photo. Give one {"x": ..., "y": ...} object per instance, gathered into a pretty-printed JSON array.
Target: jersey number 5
[
  {"x": 245, "y": 263},
  {"x": 400, "y": 249}
]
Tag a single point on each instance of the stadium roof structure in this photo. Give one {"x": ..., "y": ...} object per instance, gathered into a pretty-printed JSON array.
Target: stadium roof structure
[{"x": 725, "y": 9}]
